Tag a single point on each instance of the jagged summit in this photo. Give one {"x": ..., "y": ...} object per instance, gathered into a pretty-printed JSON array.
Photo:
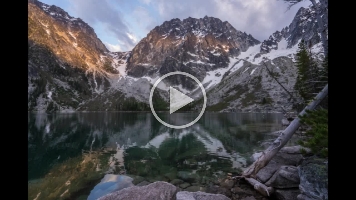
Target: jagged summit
[
  {"x": 194, "y": 45},
  {"x": 303, "y": 27}
]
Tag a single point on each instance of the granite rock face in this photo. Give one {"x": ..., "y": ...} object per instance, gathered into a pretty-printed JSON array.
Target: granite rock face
[
  {"x": 303, "y": 27},
  {"x": 190, "y": 45}
]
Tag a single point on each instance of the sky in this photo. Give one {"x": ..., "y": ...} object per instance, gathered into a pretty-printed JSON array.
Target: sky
[{"x": 121, "y": 24}]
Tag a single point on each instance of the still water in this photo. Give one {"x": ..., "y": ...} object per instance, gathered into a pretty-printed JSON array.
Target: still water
[{"x": 68, "y": 154}]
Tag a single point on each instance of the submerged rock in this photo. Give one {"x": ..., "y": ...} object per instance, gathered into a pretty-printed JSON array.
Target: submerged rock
[
  {"x": 157, "y": 190},
  {"x": 184, "y": 195},
  {"x": 176, "y": 182},
  {"x": 188, "y": 177},
  {"x": 184, "y": 185},
  {"x": 195, "y": 188},
  {"x": 110, "y": 183}
]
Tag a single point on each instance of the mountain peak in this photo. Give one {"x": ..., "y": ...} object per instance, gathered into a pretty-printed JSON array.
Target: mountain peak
[{"x": 207, "y": 42}]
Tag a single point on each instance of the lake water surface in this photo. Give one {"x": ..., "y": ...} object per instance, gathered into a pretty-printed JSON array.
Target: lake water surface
[{"x": 68, "y": 154}]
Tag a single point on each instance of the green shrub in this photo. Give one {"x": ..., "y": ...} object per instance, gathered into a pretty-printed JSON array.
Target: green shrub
[{"x": 317, "y": 132}]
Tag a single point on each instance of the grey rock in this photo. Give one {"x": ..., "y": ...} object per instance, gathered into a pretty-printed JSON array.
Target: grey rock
[
  {"x": 267, "y": 172},
  {"x": 288, "y": 159},
  {"x": 143, "y": 183},
  {"x": 195, "y": 188},
  {"x": 285, "y": 122},
  {"x": 313, "y": 173},
  {"x": 171, "y": 176},
  {"x": 218, "y": 190},
  {"x": 137, "y": 179},
  {"x": 184, "y": 195},
  {"x": 294, "y": 149},
  {"x": 156, "y": 190},
  {"x": 188, "y": 177},
  {"x": 227, "y": 183},
  {"x": 249, "y": 198},
  {"x": 289, "y": 194},
  {"x": 176, "y": 181},
  {"x": 286, "y": 156},
  {"x": 284, "y": 177},
  {"x": 237, "y": 190},
  {"x": 304, "y": 197},
  {"x": 184, "y": 185}
]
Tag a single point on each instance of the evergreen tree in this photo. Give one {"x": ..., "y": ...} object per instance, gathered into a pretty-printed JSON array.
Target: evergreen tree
[
  {"x": 311, "y": 78},
  {"x": 317, "y": 133}
]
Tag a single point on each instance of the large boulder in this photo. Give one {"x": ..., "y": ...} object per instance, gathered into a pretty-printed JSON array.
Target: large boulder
[
  {"x": 184, "y": 195},
  {"x": 286, "y": 156},
  {"x": 110, "y": 183},
  {"x": 313, "y": 173},
  {"x": 264, "y": 174},
  {"x": 285, "y": 177},
  {"x": 157, "y": 190}
]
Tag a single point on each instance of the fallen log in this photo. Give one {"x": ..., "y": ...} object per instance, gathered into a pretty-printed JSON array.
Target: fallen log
[
  {"x": 250, "y": 173},
  {"x": 282, "y": 139}
]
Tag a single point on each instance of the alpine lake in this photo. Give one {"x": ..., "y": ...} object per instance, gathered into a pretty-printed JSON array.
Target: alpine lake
[{"x": 70, "y": 153}]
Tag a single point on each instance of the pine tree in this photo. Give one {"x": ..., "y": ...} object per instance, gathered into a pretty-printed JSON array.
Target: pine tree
[
  {"x": 317, "y": 133},
  {"x": 309, "y": 81}
]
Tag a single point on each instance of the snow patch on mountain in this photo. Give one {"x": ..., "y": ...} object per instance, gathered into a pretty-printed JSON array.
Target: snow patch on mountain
[{"x": 253, "y": 55}]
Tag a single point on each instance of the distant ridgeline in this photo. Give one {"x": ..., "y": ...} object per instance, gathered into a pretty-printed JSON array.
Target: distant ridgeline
[{"x": 70, "y": 69}]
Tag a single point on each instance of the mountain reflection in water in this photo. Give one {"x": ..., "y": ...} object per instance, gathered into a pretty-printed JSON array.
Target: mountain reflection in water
[{"x": 137, "y": 144}]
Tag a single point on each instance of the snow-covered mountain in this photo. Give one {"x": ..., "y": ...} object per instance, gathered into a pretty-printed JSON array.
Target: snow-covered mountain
[
  {"x": 70, "y": 68},
  {"x": 248, "y": 86}
]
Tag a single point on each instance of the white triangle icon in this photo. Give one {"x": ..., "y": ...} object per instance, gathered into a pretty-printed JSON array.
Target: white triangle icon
[{"x": 177, "y": 100}]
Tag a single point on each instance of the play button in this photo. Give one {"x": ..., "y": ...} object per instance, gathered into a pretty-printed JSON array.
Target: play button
[{"x": 177, "y": 100}]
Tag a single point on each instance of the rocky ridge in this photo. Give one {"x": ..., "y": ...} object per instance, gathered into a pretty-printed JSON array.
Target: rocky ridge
[{"x": 78, "y": 73}]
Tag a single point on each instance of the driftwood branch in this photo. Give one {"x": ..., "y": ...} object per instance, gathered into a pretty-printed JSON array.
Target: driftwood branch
[
  {"x": 260, "y": 187},
  {"x": 283, "y": 138}
]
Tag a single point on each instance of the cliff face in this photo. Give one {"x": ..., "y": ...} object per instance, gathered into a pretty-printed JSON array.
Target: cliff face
[
  {"x": 192, "y": 45},
  {"x": 67, "y": 63}
]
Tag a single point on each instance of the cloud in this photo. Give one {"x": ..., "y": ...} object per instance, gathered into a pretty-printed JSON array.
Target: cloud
[
  {"x": 112, "y": 47},
  {"x": 143, "y": 20},
  {"x": 146, "y": 1},
  {"x": 102, "y": 14},
  {"x": 260, "y": 18}
]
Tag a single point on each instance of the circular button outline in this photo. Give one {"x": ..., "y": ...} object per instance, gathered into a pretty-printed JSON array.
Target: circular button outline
[{"x": 154, "y": 87}]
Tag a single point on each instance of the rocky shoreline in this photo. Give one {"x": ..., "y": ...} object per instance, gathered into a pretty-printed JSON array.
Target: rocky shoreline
[{"x": 293, "y": 175}]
